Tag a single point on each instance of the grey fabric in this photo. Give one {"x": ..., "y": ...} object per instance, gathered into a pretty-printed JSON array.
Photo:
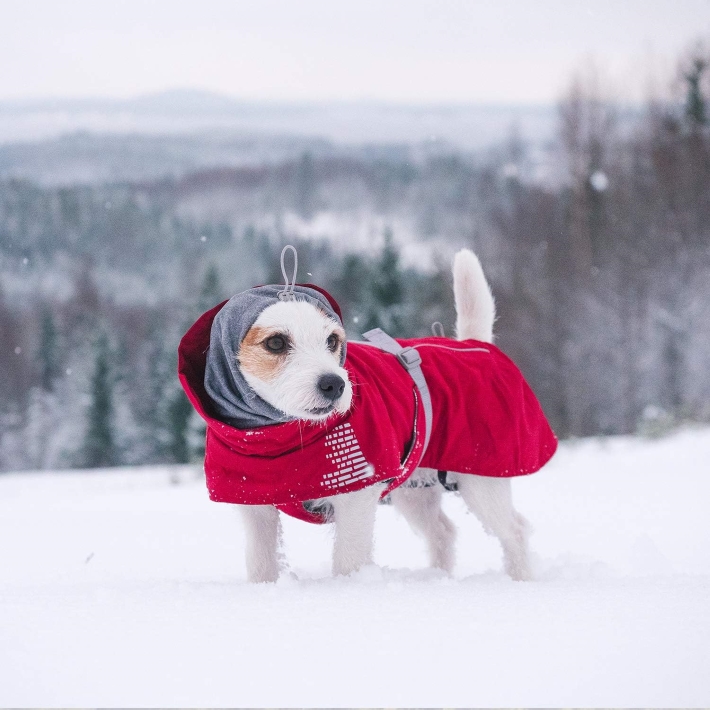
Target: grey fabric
[
  {"x": 411, "y": 361},
  {"x": 234, "y": 401}
]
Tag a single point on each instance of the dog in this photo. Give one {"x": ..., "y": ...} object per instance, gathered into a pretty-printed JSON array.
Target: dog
[{"x": 292, "y": 358}]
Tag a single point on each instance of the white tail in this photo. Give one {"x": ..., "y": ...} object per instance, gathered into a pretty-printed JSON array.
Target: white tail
[{"x": 475, "y": 307}]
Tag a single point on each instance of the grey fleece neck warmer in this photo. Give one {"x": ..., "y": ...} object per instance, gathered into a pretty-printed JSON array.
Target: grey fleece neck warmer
[{"x": 234, "y": 401}]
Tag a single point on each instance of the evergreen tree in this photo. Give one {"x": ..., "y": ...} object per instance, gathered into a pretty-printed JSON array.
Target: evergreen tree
[
  {"x": 151, "y": 407},
  {"x": 695, "y": 103},
  {"x": 211, "y": 290},
  {"x": 178, "y": 415},
  {"x": 99, "y": 444},
  {"x": 351, "y": 290},
  {"x": 48, "y": 354},
  {"x": 178, "y": 422},
  {"x": 386, "y": 290},
  {"x": 13, "y": 366},
  {"x": 387, "y": 286}
]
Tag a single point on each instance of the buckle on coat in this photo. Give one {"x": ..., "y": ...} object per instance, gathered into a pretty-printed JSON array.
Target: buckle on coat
[{"x": 410, "y": 358}]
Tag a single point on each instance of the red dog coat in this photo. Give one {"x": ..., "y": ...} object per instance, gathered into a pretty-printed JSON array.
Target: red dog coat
[{"x": 486, "y": 420}]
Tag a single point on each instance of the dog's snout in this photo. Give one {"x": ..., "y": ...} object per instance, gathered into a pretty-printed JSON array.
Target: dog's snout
[{"x": 331, "y": 386}]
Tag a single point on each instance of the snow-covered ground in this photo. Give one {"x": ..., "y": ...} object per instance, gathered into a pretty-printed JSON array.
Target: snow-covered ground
[{"x": 126, "y": 588}]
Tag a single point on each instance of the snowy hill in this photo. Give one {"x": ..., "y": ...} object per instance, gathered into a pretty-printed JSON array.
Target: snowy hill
[
  {"x": 466, "y": 125},
  {"x": 126, "y": 588}
]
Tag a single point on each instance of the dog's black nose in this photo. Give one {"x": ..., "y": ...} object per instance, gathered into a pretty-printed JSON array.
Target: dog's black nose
[{"x": 331, "y": 386}]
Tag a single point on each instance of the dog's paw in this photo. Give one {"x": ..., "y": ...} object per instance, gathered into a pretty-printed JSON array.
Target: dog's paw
[
  {"x": 519, "y": 572},
  {"x": 262, "y": 575},
  {"x": 517, "y": 560},
  {"x": 263, "y": 580}
]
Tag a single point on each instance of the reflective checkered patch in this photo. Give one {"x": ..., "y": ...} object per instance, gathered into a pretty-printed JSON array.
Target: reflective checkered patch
[{"x": 343, "y": 451}]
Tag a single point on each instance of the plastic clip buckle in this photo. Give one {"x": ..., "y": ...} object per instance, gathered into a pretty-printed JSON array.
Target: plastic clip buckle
[{"x": 410, "y": 358}]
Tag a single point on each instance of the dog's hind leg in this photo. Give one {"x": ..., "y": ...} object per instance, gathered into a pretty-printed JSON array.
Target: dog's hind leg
[
  {"x": 420, "y": 505},
  {"x": 491, "y": 501},
  {"x": 262, "y": 527},
  {"x": 354, "y": 517}
]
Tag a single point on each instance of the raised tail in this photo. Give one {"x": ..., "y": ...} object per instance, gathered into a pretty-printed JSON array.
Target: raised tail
[{"x": 475, "y": 307}]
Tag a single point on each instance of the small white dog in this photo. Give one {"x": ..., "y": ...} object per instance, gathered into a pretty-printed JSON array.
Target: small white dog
[{"x": 291, "y": 357}]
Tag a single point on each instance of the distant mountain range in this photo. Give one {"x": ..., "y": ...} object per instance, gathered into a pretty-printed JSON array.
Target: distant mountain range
[{"x": 464, "y": 126}]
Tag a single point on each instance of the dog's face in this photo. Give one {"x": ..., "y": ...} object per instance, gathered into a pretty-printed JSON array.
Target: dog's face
[{"x": 291, "y": 358}]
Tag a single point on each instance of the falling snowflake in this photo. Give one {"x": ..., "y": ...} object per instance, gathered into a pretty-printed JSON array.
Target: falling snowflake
[{"x": 599, "y": 181}]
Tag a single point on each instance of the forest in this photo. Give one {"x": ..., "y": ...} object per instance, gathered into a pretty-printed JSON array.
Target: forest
[{"x": 597, "y": 246}]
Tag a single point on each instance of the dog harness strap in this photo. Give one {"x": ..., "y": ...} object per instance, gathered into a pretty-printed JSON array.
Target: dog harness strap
[{"x": 411, "y": 361}]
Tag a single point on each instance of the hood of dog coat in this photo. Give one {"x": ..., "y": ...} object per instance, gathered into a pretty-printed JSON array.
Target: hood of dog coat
[
  {"x": 487, "y": 421},
  {"x": 233, "y": 400},
  {"x": 294, "y": 461}
]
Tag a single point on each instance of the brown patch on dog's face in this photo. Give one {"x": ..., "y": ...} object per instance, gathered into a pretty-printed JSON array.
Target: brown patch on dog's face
[{"x": 259, "y": 354}]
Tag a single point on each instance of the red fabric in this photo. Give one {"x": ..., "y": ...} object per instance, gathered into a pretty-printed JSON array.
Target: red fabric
[{"x": 487, "y": 421}]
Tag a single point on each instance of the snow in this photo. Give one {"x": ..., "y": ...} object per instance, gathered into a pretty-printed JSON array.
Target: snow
[
  {"x": 126, "y": 588},
  {"x": 599, "y": 181}
]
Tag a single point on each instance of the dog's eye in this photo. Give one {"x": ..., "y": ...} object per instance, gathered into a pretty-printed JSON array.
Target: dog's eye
[
  {"x": 332, "y": 342},
  {"x": 276, "y": 344}
]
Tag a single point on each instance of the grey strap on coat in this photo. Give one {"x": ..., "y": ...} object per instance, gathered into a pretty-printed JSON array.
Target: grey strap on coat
[{"x": 411, "y": 361}]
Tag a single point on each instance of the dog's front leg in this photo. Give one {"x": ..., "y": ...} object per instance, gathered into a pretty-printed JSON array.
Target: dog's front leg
[
  {"x": 262, "y": 528},
  {"x": 354, "y": 517}
]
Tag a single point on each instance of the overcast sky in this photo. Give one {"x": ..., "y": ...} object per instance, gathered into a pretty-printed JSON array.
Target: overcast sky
[{"x": 393, "y": 50}]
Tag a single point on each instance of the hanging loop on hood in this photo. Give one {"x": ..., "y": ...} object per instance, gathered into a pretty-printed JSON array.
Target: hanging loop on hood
[
  {"x": 288, "y": 293},
  {"x": 437, "y": 330}
]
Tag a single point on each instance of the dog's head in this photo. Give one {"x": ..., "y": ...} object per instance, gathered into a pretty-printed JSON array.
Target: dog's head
[
  {"x": 292, "y": 358},
  {"x": 273, "y": 360}
]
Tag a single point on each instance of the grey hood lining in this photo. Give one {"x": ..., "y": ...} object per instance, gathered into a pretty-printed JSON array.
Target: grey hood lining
[{"x": 233, "y": 400}]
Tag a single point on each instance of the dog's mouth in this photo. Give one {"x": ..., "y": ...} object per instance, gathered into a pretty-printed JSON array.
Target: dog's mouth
[{"x": 319, "y": 411}]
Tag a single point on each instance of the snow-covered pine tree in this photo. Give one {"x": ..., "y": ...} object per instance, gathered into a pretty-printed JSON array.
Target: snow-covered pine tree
[
  {"x": 695, "y": 101},
  {"x": 211, "y": 289},
  {"x": 48, "y": 352},
  {"x": 186, "y": 431},
  {"x": 179, "y": 412},
  {"x": 386, "y": 290},
  {"x": 100, "y": 443}
]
